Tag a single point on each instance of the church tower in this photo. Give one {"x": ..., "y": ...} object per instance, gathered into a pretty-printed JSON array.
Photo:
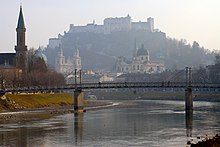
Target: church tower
[
  {"x": 77, "y": 60},
  {"x": 60, "y": 61},
  {"x": 21, "y": 48}
]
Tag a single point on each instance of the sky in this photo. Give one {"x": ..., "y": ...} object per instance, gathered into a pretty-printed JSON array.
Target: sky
[{"x": 193, "y": 20}]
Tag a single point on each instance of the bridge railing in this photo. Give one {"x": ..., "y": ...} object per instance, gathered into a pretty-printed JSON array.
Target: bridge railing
[{"x": 109, "y": 85}]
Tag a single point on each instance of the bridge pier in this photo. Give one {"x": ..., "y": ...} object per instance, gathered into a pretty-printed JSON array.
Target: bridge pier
[
  {"x": 188, "y": 90},
  {"x": 78, "y": 100},
  {"x": 188, "y": 99}
]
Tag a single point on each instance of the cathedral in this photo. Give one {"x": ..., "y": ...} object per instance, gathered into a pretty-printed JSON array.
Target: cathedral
[
  {"x": 140, "y": 63},
  {"x": 68, "y": 66}
]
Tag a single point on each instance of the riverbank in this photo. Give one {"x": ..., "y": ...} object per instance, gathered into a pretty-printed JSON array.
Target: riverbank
[
  {"x": 23, "y": 101},
  {"x": 48, "y": 112},
  {"x": 29, "y": 107},
  {"x": 207, "y": 142}
]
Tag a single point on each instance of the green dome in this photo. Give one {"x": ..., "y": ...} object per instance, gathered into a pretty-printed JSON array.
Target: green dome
[
  {"x": 39, "y": 54},
  {"x": 142, "y": 51}
]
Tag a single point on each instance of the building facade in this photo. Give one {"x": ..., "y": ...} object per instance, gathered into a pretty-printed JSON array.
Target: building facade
[
  {"x": 140, "y": 63},
  {"x": 68, "y": 66}
]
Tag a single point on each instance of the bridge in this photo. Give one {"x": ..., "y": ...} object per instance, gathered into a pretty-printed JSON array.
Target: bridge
[
  {"x": 187, "y": 85},
  {"x": 114, "y": 85}
]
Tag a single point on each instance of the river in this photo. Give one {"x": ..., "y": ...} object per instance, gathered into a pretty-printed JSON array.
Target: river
[{"x": 151, "y": 123}]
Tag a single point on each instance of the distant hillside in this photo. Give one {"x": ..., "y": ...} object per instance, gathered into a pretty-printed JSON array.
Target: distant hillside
[{"x": 100, "y": 51}]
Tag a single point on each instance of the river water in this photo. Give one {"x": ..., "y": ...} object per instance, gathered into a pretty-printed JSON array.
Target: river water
[{"x": 153, "y": 123}]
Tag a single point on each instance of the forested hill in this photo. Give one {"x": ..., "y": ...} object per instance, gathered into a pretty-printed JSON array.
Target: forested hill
[{"x": 100, "y": 51}]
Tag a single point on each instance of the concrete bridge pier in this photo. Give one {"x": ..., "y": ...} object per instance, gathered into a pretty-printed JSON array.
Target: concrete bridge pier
[
  {"x": 188, "y": 99},
  {"x": 78, "y": 100}
]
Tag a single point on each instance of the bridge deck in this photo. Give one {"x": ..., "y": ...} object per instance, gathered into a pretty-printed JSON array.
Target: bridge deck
[{"x": 117, "y": 85}]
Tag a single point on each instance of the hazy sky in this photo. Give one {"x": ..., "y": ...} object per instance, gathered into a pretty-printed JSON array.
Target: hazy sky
[{"x": 197, "y": 20}]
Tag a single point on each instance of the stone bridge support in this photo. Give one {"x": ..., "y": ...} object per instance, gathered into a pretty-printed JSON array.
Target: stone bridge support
[
  {"x": 188, "y": 99},
  {"x": 78, "y": 100},
  {"x": 188, "y": 90}
]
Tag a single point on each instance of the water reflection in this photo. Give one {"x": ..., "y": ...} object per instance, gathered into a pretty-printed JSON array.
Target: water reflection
[
  {"x": 78, "y": 128},
  {"x": 18, "y": 137},
  {"x": 189, "y": 122},
  {"x": 149, "y": 123}
]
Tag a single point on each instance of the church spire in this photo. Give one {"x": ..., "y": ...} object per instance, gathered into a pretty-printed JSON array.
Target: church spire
[
  {"x": 21, "y": 20},
  {"x": 21, "y": 48}
]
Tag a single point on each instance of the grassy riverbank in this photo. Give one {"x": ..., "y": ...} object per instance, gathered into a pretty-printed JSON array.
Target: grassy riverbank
[
  {"x": 39, "y": 106},
  {"x": 29, "y": 101}
]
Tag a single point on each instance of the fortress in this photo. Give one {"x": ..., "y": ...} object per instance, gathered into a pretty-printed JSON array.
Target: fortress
[
  {"x": 109, "y": 26},
  {"x": 115, "y": 24}
]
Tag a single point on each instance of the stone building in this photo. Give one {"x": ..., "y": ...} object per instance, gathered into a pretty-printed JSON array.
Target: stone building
[{"x": 140, "y": 63}]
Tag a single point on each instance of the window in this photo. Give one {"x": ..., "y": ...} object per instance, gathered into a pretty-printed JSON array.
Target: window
[{"x": 20, "y": 40}]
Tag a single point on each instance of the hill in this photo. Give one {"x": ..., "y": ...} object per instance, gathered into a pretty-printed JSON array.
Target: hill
[{"x": 100, "y": 51}]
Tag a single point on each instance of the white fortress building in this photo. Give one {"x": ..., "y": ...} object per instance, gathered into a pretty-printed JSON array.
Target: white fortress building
[
  {"x": 115, "y": 24},
  {"x": 67, "y": 66},
  {"x": 140, "y": 63}
]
